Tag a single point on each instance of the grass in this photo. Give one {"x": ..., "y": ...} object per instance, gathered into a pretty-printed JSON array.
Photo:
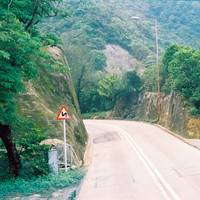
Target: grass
[{"x": 19, "y": 186}]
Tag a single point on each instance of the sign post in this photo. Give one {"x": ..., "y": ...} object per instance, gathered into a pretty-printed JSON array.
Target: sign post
[
  {"x": 63, "y": 115},
  {"x": 65, "y": 144}
]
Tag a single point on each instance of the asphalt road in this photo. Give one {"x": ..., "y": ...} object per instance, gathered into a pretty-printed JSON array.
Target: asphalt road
[{"x": 138, "y": 161}]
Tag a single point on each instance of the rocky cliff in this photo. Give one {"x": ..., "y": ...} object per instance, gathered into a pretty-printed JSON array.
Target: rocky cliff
[{"x": 173, "y": 114}]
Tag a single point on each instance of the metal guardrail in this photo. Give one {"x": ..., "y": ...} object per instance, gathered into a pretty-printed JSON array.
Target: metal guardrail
[{"x": 72, "y": 158}]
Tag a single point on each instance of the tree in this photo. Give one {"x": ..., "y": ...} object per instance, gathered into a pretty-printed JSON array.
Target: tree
[
  {"x": 115, "y": 88},
  {"x": 98, "y": 60},
  {"x": 17, "y": 64},
  {"x": 183, "y": 73},
  {"x": 109, "y": 87},
  {"x": 31, "y": 12},
  {"x": 131, "y": 83},
  {"x": 80, "y": 64},
  {"x": 167, "y": 58},
  {"x": 20, "y": 52},
  {"x": 150, "y": 79}
]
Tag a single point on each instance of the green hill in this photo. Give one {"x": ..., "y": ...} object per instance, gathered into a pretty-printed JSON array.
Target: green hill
[{"x": 94, "y": 26}]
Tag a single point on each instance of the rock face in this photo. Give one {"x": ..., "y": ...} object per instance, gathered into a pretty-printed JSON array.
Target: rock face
[
  {"x": 46, "y": 94},
  {"x": 173, "y": 114}
]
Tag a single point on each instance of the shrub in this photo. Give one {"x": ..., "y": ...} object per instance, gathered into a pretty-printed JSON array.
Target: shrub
[
  {"x": 32, "y": 185},
  {"x": 181, "y": 73},
  {"x": 34, "y": 157}
]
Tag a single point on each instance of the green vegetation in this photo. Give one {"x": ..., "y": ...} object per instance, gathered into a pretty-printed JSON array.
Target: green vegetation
[
  {"x": 49, "y": 183},
  {"x": 120, "y": 88},
  {"x": 149, "y": 79},
  {"x": 179, "y": 20},
  {"x": 31, "y": 12},
  {"x": 181, "y": 73},
  {"x": 33, "y": 156},
  {"x": 93, "y": 25},
  {"x": 17, "y": 65},
  {"x": 27, "y": 27},
  {"x": 26, "y": 70}
]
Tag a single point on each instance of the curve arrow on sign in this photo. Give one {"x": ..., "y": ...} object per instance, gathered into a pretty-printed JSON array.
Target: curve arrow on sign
[{"x": 63, "y": 114}]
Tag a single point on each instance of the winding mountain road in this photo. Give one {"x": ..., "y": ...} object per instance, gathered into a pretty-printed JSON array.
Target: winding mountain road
[{"x": 138, "y": 161}]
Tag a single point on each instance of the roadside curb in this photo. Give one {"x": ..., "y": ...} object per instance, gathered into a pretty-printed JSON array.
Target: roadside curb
[
  {"x": 88, "y": 152},
  {"x": 177, "y": 136},
  {"x": 87, "y": 160}
]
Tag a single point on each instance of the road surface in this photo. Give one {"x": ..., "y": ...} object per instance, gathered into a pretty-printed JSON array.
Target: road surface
[{"x": 138, "y": 161}]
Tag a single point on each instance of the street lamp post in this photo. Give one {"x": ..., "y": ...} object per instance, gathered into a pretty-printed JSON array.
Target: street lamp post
[
  {"x": 158, "y": 69},
  {"x": 157, "y": 62}
]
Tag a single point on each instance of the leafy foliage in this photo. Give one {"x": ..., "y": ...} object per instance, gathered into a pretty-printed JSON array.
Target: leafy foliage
[
  {"x": 31, "y": 12},
  {"x": 115, "y": 88},
  {"x": 33, "y": 155},
  {"x": 94, "y": 24},
  {"x": 21, "y": 51},
  {"x": 149, "y": 79},
  {"x": 17, "y": 63},
  {"x": 98, "y": 60},
  {"x": 179, "y": 19},
  {"x": 181, "y": 69},
  {"x": 41, "y": 184},
  {"x": 109, "y": 87}
]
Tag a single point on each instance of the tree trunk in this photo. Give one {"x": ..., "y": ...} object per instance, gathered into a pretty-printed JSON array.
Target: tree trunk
[
  {"x": 29, "y": 25},
  {"x": 13, "y": 156},
  {"x": 79, "y": 83}
]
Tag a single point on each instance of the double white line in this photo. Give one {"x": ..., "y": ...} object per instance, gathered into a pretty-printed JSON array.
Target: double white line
[{"x": 164, "y": 187}]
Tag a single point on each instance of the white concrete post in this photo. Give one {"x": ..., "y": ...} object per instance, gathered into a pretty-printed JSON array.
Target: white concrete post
[{"x": 53, "y": 160}]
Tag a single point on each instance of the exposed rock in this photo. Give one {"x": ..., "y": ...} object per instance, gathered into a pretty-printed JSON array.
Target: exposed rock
[
  {"x": 173, "y": 114},
  {"x": 119, "y": 60}
]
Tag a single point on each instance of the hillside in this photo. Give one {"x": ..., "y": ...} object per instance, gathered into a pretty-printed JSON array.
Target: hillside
[
  {"x": 97, "y": 23},
  {"x": 94, "y": 26},
  {"x": 35, "y": 80},
  {"x": 44, "y": 97},
  {"x": 37, "y": 109}
]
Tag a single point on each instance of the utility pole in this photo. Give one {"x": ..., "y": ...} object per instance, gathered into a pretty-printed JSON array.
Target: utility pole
[
  {"x": 157, "y": 63},
  {"x": 158, "y": 69}
]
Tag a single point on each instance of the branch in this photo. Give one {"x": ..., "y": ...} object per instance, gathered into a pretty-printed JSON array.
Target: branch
[{"x": 9, "y": 4}]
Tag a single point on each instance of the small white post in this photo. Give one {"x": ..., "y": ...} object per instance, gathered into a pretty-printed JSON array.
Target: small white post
[
  {"x": 71, "y": 155},
  {"x": 65, "y": 145},
  {"x": 53, "y": 160}
]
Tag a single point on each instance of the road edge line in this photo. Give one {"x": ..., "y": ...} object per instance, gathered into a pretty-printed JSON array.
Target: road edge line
[
  {"x": 148, "y": 163},
  {"x": 176, "y": 135}
]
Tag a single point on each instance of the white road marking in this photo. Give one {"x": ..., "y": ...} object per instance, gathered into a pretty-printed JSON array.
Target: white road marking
[{"x": 166, "y": 190}]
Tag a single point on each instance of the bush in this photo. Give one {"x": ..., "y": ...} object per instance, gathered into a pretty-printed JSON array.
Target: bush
[
  {"x": 34, "y": 157},
  {"x": 150, "y": 79},
  {"x": 115, "y": 88},
  {"x": 22, "y": 186},
  {"x": 181, "y": 73},
  {"x": 98, "y": 60}
]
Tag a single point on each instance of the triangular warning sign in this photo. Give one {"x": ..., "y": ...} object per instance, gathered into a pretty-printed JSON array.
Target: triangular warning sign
[{"x": 63, "y": 113}]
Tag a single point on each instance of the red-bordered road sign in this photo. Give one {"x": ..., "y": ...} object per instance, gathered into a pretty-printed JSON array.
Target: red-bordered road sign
[{"x": 63, "y": 113}]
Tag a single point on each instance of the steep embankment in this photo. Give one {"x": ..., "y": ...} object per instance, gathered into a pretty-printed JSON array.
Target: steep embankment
[
  {"x": 50, "y": 90},
  {"x": 173, "y": 115}
]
